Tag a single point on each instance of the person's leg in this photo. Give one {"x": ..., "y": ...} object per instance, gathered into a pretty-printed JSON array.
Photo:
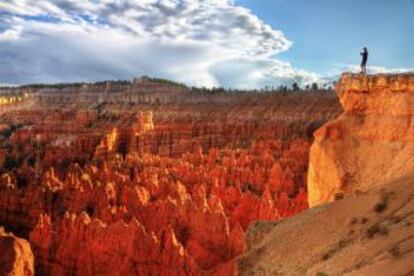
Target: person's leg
[{"x": 362, "y": 68}]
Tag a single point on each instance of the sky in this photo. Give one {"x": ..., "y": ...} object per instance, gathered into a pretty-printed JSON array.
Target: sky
[{"x": 242, "y": 44}]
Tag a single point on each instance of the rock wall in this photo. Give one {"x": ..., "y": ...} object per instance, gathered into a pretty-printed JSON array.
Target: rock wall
[{"x": 372, "y": 142}]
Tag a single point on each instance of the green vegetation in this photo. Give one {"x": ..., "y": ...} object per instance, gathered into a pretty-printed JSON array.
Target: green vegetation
[
  {"x": 163, "y": 81},
  {"x": 72, "y": 84},
  {"x": 51, "y": 85},
  {"x": 121, "y": 82},
  {"x": 215, "y": 90}
]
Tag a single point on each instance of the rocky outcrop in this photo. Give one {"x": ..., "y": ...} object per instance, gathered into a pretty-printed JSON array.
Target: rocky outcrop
[
  {"x": 365, "y": 158},
  {"x": 370, "y": 143},
  {"x": 365, "y": 234},
  {"x": 16, "y": 257}
]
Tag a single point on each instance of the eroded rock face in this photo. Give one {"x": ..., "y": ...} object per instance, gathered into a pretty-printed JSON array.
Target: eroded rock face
[
  {"x": 369, "y": 232},
  {"x": 87, "y": 246},
  {"x": 16, "y": 257},
  {"x": 141, "y": 179},
  {"x": 370, "y": 143}
]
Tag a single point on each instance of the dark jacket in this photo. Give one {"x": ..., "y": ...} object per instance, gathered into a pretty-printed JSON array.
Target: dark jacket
[{"x": 364, "y": 55}]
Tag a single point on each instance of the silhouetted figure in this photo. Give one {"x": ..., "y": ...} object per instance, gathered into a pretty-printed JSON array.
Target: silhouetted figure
[{"x": 364, "y": 61}]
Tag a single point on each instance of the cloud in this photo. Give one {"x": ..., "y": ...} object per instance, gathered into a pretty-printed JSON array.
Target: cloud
[
  {"x": 11, "y": 34},
  {"x": 330, "y": 78},
  {"x": 5, "y": 85},
  {"x": 251, "y": 73},
  {"x": 198, "y": 42},
  {"x": 375, "y": 69}
]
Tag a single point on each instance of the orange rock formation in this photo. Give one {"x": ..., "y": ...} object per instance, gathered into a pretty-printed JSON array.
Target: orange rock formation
[
  {"x": 370, "y": 143},
  {"x": 370, "y": 232},
  {"x": 16, "y": 257},
  {"x": 115, "y": 179}
]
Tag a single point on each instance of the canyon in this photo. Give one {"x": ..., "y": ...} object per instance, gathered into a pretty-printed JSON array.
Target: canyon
[{"x": 149, "y": 177}]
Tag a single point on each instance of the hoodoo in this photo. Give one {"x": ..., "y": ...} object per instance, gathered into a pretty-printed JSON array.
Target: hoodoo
[
  {"x": 371, "y": 143},
  {"x": 16, "y": 257},
  {"x": 150, "y": 178}
]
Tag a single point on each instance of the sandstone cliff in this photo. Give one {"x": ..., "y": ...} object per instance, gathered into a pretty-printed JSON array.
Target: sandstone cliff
[
  {"x": 370, "y": 143},
  {"x": 365, "y": 155}
]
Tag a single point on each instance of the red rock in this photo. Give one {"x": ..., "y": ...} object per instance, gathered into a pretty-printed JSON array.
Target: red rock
[
  {"x": 112, "y": 182},
  {"x": 371, "y": 142},
  {"x": 16, "y": 257}
]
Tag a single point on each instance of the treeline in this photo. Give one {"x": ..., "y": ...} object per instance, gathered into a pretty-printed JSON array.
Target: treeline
[
  {"x": 164, "y": 81},
  {"x": 268, "y": 89},
  {"x": 215, "y": 90},
  {"x": 72, "y": 84}
]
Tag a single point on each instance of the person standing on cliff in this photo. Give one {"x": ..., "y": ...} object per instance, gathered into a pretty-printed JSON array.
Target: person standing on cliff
[{"x": 364, "y": 61}]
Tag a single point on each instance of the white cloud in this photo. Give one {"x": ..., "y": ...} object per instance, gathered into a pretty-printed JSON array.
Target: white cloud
[
  {"x": 11, "y": 34},
  {"x": 374, "y": 69},
  {"x": 199, "y": 42},
  {"x": 335, "y": 74},
  {"x": 2, "y": 85},
  {"x": 251, "y": 73}
]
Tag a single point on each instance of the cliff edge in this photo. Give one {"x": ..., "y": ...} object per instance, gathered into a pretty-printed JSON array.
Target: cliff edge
[
  {"x": 371, "y": 143},
  {"x": 366, "y": 158}
]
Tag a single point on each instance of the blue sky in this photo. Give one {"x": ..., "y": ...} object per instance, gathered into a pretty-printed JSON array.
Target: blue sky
[
  {"x": 242, "y": 43},
  {"x": 330, "y": 33}
]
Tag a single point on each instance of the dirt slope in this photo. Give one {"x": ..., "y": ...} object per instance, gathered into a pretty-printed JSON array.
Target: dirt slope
[{"x": 365, "y": 234}]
